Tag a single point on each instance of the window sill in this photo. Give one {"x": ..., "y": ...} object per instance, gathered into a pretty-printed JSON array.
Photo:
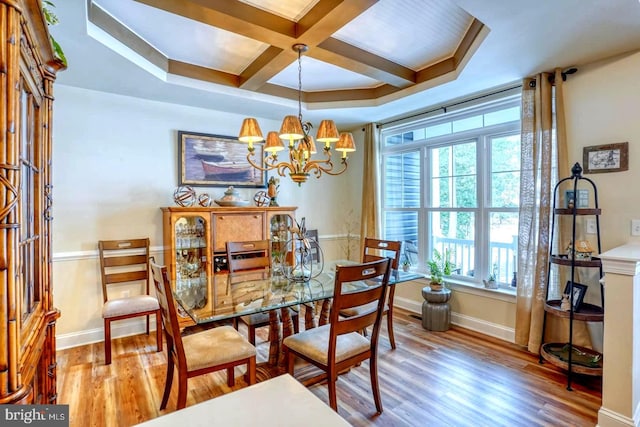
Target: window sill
[{"x": 502, "y": 294}]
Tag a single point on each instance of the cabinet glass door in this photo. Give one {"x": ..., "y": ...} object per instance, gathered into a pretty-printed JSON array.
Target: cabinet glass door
[
  {"x": 191, "y": 260},
  {"x": 280, "y": 238}
]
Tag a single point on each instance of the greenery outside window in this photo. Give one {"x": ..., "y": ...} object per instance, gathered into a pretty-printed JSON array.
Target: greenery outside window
[{"x": 453, "y": 182}]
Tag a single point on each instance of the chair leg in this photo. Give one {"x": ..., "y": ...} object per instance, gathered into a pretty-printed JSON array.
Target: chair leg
[
  {"x": 231, "y": 377},
  {"x": 373, "y": 371},
  {"x": 252, "y": 334},
  {"x": 252, "y": 370},
  {"x": 159, "y": 330},
  {"x": 290, "y": 357},
  {"x": 148, "y": 329},
  {"x": 182, "y": 391},
  {"x": 392, "y": 338},
  {"x": 235, "y": 323},
  {"x": 107, "y": 342},
  {"x": 167, "y": 382},
  {"x": 332, "y": 377}
]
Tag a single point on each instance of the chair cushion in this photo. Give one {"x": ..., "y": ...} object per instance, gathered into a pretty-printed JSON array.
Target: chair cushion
[
  {"x": 314, "y": 343},
  {"x": 129, "y": 305},
  {"x": 362, "y": 309},
  {"x": 215, "y": 346}
]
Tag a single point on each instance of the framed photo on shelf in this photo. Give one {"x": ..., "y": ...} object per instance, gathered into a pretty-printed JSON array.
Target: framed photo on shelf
[
  {"x": 579, "y": 291},
  {"x": 581, "y": 202},
  {"x": 606, "y": 158},
  {"x": 208, "y": 160}
]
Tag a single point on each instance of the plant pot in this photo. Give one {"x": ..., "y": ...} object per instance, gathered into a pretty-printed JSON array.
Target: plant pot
[
  {"x": 405, "y": 267},
  {"x": 435, "y": 286},
  {"x": 490, "y": 284}
]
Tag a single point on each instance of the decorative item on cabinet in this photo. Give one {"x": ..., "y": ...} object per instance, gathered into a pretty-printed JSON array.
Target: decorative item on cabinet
[
  {"x": 261, "y": 198},
  {"x": 272, "y": 192},
  {"x": 231, "y": 198},
  {"x": 204, "y": 200},
  {"x": 184, "y": 196},
  {"x": 567, "y": 355}
]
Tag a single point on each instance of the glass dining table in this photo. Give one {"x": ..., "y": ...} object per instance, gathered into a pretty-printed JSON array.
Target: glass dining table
[{"x": 226, "y": 296}]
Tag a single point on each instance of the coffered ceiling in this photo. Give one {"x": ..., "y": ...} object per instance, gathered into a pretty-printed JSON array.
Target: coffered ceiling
[
  {"x": 360, "y": 50},
  {"x": 367, "y": 60}
]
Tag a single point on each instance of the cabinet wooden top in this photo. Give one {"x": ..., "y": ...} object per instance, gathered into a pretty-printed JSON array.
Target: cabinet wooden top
[{"x": 229, "y": 209}]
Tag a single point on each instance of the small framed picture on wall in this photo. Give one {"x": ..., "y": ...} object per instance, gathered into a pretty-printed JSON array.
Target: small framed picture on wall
[{"x": 606, "y": 158}]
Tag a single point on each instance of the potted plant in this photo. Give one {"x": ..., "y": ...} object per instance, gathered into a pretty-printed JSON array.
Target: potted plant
[
  {"x": 406, "y": 264},
  {"x": 491, "y": 282},
  {"x": 439, "y": 266}
]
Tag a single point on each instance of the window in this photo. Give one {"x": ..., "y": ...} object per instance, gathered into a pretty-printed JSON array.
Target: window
[{"x": 453, "y": 182}]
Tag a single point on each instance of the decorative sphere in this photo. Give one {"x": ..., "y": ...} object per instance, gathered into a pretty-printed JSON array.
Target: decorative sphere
[
  {"x": 261, "y": 199},
  {"x": 184, "y": 196},
  {"x": 204, "y": 200}
]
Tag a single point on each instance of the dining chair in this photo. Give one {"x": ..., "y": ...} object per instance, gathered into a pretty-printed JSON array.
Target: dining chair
[
  {"x": 253, "y": 255},
  {"x": 199, "y": 353},
  {"x": 126, "y": 261},
  {"x": 337, "y": 346},
  {"x": 375, "y": 249}
]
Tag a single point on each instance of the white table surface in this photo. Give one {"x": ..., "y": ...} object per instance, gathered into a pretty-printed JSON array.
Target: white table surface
[{"x": 281, "y": 401}]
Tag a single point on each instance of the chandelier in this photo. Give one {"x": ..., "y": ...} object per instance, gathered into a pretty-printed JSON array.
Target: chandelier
[{"x": 301, "y": 144}]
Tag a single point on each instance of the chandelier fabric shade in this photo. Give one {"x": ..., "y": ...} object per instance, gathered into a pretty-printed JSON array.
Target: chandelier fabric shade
[
  {"x": 250, "y": 131},
  {"x": 273, "y": 143},
  {"x": 300, "y": 143}
]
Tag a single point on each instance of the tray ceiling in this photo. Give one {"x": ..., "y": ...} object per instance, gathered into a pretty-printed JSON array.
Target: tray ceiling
[{"x": 360, "y": 51}]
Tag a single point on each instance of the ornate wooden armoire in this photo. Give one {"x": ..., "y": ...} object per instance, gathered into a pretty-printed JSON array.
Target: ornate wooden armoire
[{"x": 27, "y": 314}]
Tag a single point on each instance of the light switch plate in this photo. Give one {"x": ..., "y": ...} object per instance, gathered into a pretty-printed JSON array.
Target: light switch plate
[
  {"x": 591, "y": 226},
  {"x": 635, "y": 227}
]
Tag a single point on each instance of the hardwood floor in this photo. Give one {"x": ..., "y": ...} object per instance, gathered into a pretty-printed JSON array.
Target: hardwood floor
[{"x": 453, "y": 378}]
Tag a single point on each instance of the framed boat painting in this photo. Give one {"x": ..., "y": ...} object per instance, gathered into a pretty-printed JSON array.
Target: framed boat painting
[{"x": 206, "y": 160}]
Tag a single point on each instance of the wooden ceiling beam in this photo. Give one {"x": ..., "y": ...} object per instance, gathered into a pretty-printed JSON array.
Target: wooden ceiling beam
[
  {"x": 233, "y": 16},
  {"x": 349, "y": 57}
]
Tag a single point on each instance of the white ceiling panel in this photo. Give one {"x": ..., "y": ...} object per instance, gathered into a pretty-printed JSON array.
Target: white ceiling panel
[
  {"x": 314, "y": 77},
  {"x": 185, "y": 40},
  {"x": 412, "y": 33}
]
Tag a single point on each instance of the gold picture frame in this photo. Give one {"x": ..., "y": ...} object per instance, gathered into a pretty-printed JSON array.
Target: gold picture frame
[
  {"x": 207, "y": 160},
  {"x": 606, "y": 158}
]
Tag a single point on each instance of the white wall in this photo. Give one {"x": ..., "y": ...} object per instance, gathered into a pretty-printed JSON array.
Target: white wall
[
  {"x": 115, "y": 165},
  {"x": 601, "y": 101}
]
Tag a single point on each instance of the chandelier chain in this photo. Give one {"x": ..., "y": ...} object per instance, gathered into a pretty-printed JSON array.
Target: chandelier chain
[{"x": 300, "y": 85}]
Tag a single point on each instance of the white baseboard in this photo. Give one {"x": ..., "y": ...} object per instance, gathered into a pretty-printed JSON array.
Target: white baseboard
[
  {"x": 609, "y": 418},
  {"x": 119, "y": 329},
  {"x": 137, "y": 326},
  {"x": 488, "y": 328}
]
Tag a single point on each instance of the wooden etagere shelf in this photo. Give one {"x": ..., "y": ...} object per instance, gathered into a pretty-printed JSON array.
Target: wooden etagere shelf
[{"x": 569, "y": 356}]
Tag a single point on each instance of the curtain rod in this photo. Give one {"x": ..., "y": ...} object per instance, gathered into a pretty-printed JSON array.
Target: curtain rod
[{"x": 445, "y": 107}]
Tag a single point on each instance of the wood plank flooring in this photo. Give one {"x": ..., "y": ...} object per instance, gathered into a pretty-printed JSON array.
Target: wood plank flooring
[{"x": 452, "y": 378}]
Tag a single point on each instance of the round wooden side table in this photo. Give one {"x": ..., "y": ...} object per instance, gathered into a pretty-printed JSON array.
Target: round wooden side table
[{"x": 436, "y": 312}]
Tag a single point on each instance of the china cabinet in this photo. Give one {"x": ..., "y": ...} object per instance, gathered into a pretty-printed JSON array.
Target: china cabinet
[
  {"x": 567, "y": 355},
  {"x": 27, "y": 314},
  {"x": 195, "y": 238}
]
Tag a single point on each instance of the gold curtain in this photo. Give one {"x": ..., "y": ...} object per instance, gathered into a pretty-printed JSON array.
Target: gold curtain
[
  {"x": 544, "y": 158},
  {"x": 369, "y": 224}
]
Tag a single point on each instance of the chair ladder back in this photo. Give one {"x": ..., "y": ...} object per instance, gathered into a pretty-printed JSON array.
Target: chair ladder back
[
  {"x": 378, "y": 270},
  {"x": 375, "y": 249},
  {"x": 168, "y": 307},
  {"x": 124, "y": 261},
  {"x": 248, "y": 255}
]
